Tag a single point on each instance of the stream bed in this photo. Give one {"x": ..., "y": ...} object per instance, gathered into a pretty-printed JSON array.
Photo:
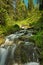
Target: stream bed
[{"x": 18, "y": 50}]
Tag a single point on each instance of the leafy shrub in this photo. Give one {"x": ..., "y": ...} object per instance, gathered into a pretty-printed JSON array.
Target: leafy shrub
[
  {"x": 38, "y": 38},
  {"x": 11, "y": 29},
  {"x": 3, "y": 16},
  {"x": 38, "y": 25}
]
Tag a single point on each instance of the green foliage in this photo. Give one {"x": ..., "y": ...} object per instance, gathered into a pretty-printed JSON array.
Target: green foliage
[
  {"x": 41, "y": 5},
  {"x": 2, "y": 16},
  {"x": 9, "y": 14},
  {"x": 39, "y": 43},
  {"x": 10, "y": 29},
  {"x": 20, "y": 11},
  {"x": 38, "y": 38},
  {"x": 38, "y": 25},
  {"x": 30, "y": 5},
  {"x": 16, "y": 26}
]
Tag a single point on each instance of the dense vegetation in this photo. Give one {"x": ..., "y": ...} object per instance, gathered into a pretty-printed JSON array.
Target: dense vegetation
[
  {"x": 14, "y": 13},
  {"x": 38, "y": 37}
]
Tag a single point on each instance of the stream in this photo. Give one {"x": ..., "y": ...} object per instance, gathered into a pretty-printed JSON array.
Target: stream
[{"x": 18, "y": 50}]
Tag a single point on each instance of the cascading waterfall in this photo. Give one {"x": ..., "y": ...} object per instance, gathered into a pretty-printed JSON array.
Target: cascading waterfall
[
  {"x": 13, "y": 50},
  {"x": 4, "y": 52},
  {"x": 33, "y": 56},
  {"x": 3, "y": 55},
  {"x": 35, "y": 60},
  {"x": 4, "y": 49}
]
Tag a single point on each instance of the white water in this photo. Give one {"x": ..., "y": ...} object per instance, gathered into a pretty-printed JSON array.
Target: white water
[
  {"x": 13, "y": 50},
  {"x": 33, "y": 56},
  {"x": 4, "y": 52},
  {"x": 3, "y": 55},
  {"x": 32, "y": 63}
]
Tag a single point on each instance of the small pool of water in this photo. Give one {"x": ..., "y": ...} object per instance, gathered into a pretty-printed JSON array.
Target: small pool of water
[{"x": 32, "y": 63}]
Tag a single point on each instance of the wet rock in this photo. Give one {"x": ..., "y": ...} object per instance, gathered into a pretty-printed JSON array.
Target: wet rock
[
  {"x": 25, "y": 53},
  {"x": 2, "y": 40}
]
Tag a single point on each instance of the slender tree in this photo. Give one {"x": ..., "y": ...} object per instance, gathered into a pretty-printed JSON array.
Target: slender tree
[
  {"x": 30, "y": 4},
  {"x": 41, "y": 5}
]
